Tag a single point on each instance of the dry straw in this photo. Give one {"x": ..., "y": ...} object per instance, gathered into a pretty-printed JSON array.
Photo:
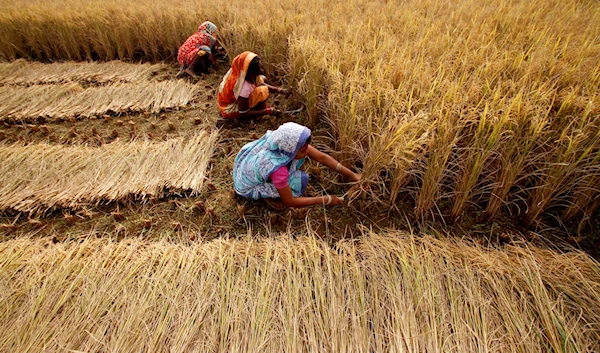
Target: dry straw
[
  {"x": 40, "y": 176},
  {"x": 25, "y": 73},
  {"x": 383, "y": 293},
  {"x": 72, "y": 100}
]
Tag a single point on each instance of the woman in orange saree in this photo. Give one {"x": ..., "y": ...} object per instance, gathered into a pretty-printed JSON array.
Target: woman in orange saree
[{"x": 243, "y": 91}]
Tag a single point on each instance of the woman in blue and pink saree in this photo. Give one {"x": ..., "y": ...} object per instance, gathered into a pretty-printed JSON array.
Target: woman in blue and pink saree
[{"x": 269, "y": 168}]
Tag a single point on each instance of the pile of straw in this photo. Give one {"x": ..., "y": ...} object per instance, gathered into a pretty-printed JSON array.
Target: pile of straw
[
  {"x": 72, "y": 100},
  {"x": 39, "y": 177},
  {"x": 26, "y": 73},
  {"x": 392, "y": 293}
]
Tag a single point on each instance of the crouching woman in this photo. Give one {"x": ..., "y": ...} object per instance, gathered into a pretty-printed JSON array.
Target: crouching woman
[
  {"x": 196, "y": 53},
  {"x": 243, "y": 92},
  {"x": 268, "y": 168}
]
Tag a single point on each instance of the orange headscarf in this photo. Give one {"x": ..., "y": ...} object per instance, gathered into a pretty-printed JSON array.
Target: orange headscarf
[{"x": 231, "y": 86}]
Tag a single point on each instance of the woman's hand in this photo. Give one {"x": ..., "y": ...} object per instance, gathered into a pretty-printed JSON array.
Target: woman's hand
[
  {"x": 356, "y": 177},
  {"x": 284, "y": 91},
  {"x": 274, "y": 112},
  {"x": 290, "y": 201},
  {"x": 335, "y": 200},
  {"x": 278, "y": 90}
]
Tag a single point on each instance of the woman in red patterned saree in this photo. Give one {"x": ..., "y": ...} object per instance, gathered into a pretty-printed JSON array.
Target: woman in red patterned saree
[{"x": 196, "y": 53}]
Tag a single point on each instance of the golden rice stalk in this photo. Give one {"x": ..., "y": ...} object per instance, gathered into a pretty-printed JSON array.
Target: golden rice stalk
[
  {"x": 40, "y": 176},
  {"x": 72, "y": 100},
  {"x": 585, "y": 197},
  {"x": 399, "y": 142},
  {"x": 149, "y": 30},
  {"x": 518, "y": 151},
  {"x": 455, "y": 63},
  {"x": 434, "y": 167},
  {"x": 576, "y": 149},
  {"x": 585, "y": 192},
  {"x": 484, "y": 137},
  {"x": 26, "y": 73},
  {"x": 394, "y": 292}
]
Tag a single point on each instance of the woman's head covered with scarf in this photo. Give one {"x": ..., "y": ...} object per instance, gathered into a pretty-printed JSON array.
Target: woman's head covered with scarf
[
  {"x": 288, "y": 139},
  {"x": 209, "y": 28}
]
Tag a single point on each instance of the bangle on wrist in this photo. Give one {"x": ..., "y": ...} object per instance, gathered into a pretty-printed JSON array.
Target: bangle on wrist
[
  {"x": 329, "y": 199},
  {"x": 338, "y": 167}
]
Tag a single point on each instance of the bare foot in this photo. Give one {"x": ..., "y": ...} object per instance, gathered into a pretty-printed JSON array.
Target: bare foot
[
  {"x": 191, "y": 73},
  {"x": 275, "y": 204}
]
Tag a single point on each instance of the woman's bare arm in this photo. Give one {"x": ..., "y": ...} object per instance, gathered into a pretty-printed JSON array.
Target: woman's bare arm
[
  {"x": 275, "y": 89},
  {"x": 244, "y": 106},
  {"x": 290, "y": 201},
  {"x": 331, "y": 163}
]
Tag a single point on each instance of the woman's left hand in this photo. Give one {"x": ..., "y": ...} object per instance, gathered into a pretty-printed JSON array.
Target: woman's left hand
[
  {"x": 357, "y": 177},
  {"x": 284, "y": 91}
]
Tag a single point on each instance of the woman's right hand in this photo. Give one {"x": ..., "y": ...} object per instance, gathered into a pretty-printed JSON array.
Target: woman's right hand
[
  {"x": 335, "y": 200},
  {"x": 275, "y": 112}
]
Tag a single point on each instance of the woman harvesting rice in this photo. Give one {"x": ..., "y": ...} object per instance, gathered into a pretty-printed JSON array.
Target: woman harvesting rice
[
  {"x": 196, "y": 52},
  {"x": 268, "y": 168},
  {"x": 243, "y": 91}
]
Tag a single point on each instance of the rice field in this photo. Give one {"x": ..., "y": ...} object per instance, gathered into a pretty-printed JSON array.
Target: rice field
[
  {"x": 120, "y": 231},
  {"x": 40, "y": 177},
  {"x": 456, "y": 106}
]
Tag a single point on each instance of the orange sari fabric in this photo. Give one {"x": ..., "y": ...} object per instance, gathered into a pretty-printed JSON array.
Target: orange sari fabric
[{"x": 231, "y": 86}]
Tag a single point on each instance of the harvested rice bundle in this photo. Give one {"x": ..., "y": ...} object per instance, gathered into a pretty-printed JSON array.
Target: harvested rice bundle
[
  {"x": 72, "y": 100},
  {"x": 26, "y": 73},
  {"x": 40, "y": 177}
]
